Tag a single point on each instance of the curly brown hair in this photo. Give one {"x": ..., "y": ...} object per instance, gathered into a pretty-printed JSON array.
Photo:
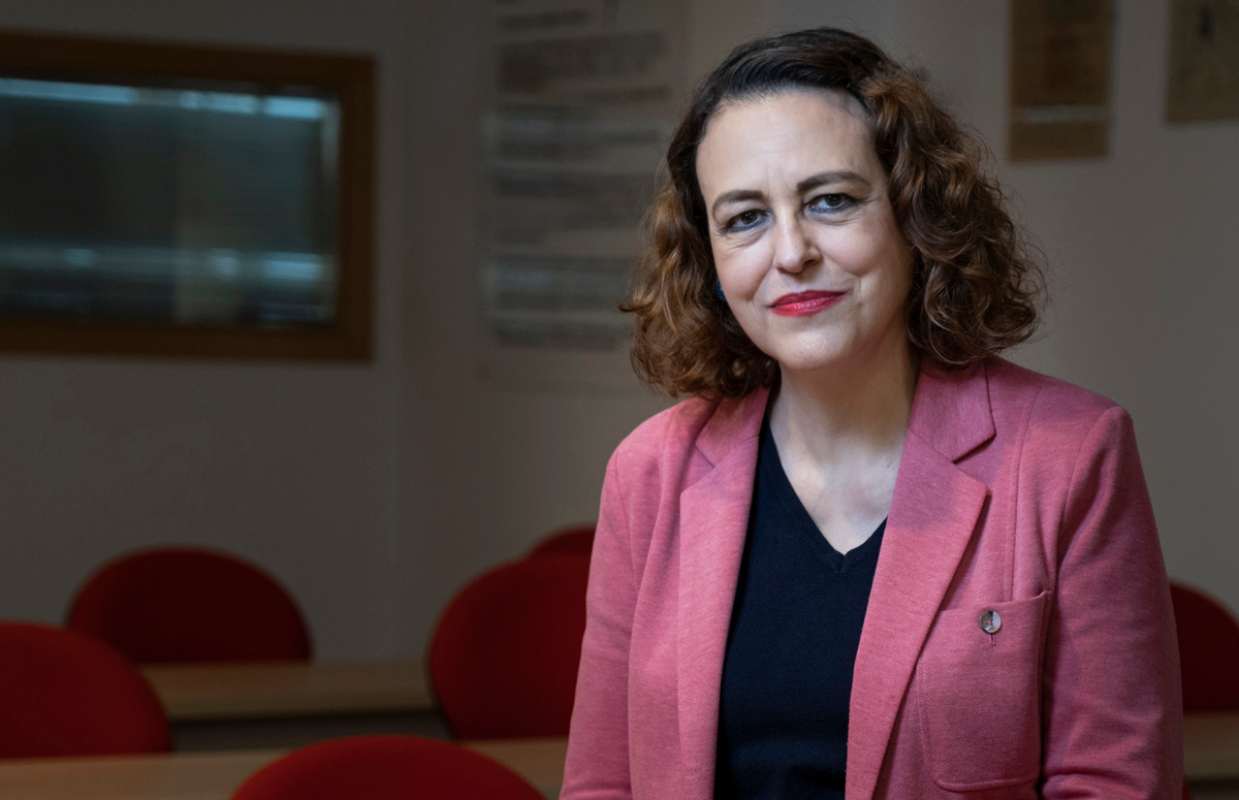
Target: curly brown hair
[{"x": 975, "y": 287}]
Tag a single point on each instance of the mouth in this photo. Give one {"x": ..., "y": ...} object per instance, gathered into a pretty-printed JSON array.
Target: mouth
[{"x": 803, "y": 303}]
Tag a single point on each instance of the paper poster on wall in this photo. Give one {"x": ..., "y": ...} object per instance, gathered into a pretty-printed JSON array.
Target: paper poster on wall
[
  {"x": 1203, "y": 74},
  {"x": 1061, "y": 53},
  {"x": 584, "y": 94}
]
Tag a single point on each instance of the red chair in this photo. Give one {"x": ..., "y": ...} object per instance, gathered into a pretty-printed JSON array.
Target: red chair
[
  {"x": 577, "y": 539},
  {"x": 384, "y": 768},
  {"x": 175, "y": 604},
  {"x": 503, "y": 657},
  {"x": 1208, "y": 650},
  {"x": 64, "y": 694}
]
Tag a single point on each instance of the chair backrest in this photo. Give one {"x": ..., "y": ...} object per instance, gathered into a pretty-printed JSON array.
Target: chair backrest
[
  {"x": 175, "y": 604},
  {"x": 65, "y": 694},
  {"x": 386, "y": 767},
  {"x": 576, "y": 539},
  {"x": 504, "y": 654},
  {"x": 1208, "y": 650}
]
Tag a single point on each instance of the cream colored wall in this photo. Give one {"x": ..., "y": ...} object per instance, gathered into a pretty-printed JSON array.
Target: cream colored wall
[
  {"x": 293, "y": 465},
  {"x": 375, "y": 490}
]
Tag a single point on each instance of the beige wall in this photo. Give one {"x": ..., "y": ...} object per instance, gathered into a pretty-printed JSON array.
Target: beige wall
[
  {"x": 375, "y": 490},
  {"x": 292, "y": 465}
]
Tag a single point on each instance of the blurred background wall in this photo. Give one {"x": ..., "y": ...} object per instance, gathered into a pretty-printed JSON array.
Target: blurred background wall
[
  {"x": 374, "y": 490},
  {"x": 297, "y": 466}
]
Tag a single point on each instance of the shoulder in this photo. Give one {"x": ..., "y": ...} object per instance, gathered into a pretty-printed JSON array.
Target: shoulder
[
  {"x": 1058, "y": 423},
  {"x": 650, "y": 465},
  {"x": 1043, "y": 402},
  {"x": 665, "y": 438},
  {"x": 674, "y": 448}
]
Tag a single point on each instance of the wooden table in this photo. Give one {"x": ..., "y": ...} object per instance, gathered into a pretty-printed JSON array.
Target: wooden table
[
  {"x": 215, "y": 707},
  {"x": 266, "y": 690},
  {"x": 1211, "y": 746},
  {"x": 239, "y": 705},
  {"x": 215, "y": 776}
]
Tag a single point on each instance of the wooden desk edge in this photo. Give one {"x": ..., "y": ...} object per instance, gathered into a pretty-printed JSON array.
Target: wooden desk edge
[
  {"x": 539, "y": 761},
  {"x": 1211, "y": 746},
  {"x": 282, "y": 690},
  {"x": 180, "y": 711}
]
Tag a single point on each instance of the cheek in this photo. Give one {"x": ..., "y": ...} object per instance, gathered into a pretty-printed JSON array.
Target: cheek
[
  {"x": 880, "y": 262},
  {"x": 740, "y": 270},
  {"x": 864, "y": 250}
]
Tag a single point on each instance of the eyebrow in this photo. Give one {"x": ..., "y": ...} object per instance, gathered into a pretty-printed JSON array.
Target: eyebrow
[
  {"x": 811, "y": 182},
  {"x": 832, "y": 176}
]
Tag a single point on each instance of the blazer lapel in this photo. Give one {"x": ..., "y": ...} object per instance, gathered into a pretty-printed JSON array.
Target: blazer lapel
[
  {"x": 714, "y": 513},
  {"x": 933, "y": 515}
]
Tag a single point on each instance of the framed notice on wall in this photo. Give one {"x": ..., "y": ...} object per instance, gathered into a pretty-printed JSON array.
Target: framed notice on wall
[
  {"x": 582, "y": 108},
  {"x": 1061, "y": 54},
  {"x": 1203, "y": 83},
  {"x": 184, "y": 201},
  {"x": 583, "y": 100}
]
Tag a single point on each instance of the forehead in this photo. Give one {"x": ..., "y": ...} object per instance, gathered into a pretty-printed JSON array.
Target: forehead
[{"x": 788, "y": 134}]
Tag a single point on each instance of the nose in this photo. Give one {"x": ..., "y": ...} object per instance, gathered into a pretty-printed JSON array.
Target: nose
[{"x": 793, "y": 248}]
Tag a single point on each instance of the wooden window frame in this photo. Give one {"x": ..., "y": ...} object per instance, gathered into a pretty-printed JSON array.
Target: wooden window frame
[{"x": 350, "y": 78}]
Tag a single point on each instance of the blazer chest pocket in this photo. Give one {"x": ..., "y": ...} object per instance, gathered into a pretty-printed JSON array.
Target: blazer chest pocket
[{"x": 979, "y": 683}]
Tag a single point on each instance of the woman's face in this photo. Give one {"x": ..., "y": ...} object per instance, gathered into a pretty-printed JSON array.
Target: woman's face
[{"x": 805, "y": 242}]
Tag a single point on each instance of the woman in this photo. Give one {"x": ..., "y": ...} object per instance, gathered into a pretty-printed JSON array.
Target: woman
[{"x": 867, "y": 552}]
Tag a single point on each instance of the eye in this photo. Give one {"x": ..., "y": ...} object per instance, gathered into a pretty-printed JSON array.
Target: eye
[
  {"x": 744, "y": 220},
  {"x": 831, "y": 203}
]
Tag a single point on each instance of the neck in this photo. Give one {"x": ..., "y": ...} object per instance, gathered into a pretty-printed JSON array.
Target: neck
[{"x": 853, "y": 410}]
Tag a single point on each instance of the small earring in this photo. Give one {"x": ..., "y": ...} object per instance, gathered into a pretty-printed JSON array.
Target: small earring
[{"x": 718, "y": 291}]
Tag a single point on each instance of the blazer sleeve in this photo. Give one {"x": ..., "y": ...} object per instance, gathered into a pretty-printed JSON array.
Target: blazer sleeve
[
  {"x": 1113, "y": 707},
  {"x": 597, "y": 760}
]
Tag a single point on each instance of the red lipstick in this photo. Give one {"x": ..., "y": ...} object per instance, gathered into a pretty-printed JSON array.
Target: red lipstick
[{"x": 804, "y": 303}]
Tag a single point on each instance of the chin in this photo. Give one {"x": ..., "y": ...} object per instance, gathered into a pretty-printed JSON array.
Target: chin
[{"x": 811, "y": 359}]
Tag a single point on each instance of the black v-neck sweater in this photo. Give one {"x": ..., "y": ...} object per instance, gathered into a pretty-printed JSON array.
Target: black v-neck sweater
[{"x": 795, "y": 628}]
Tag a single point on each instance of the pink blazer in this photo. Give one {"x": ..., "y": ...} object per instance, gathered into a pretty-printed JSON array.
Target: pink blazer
[{"x": 1016, "y": 493}]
